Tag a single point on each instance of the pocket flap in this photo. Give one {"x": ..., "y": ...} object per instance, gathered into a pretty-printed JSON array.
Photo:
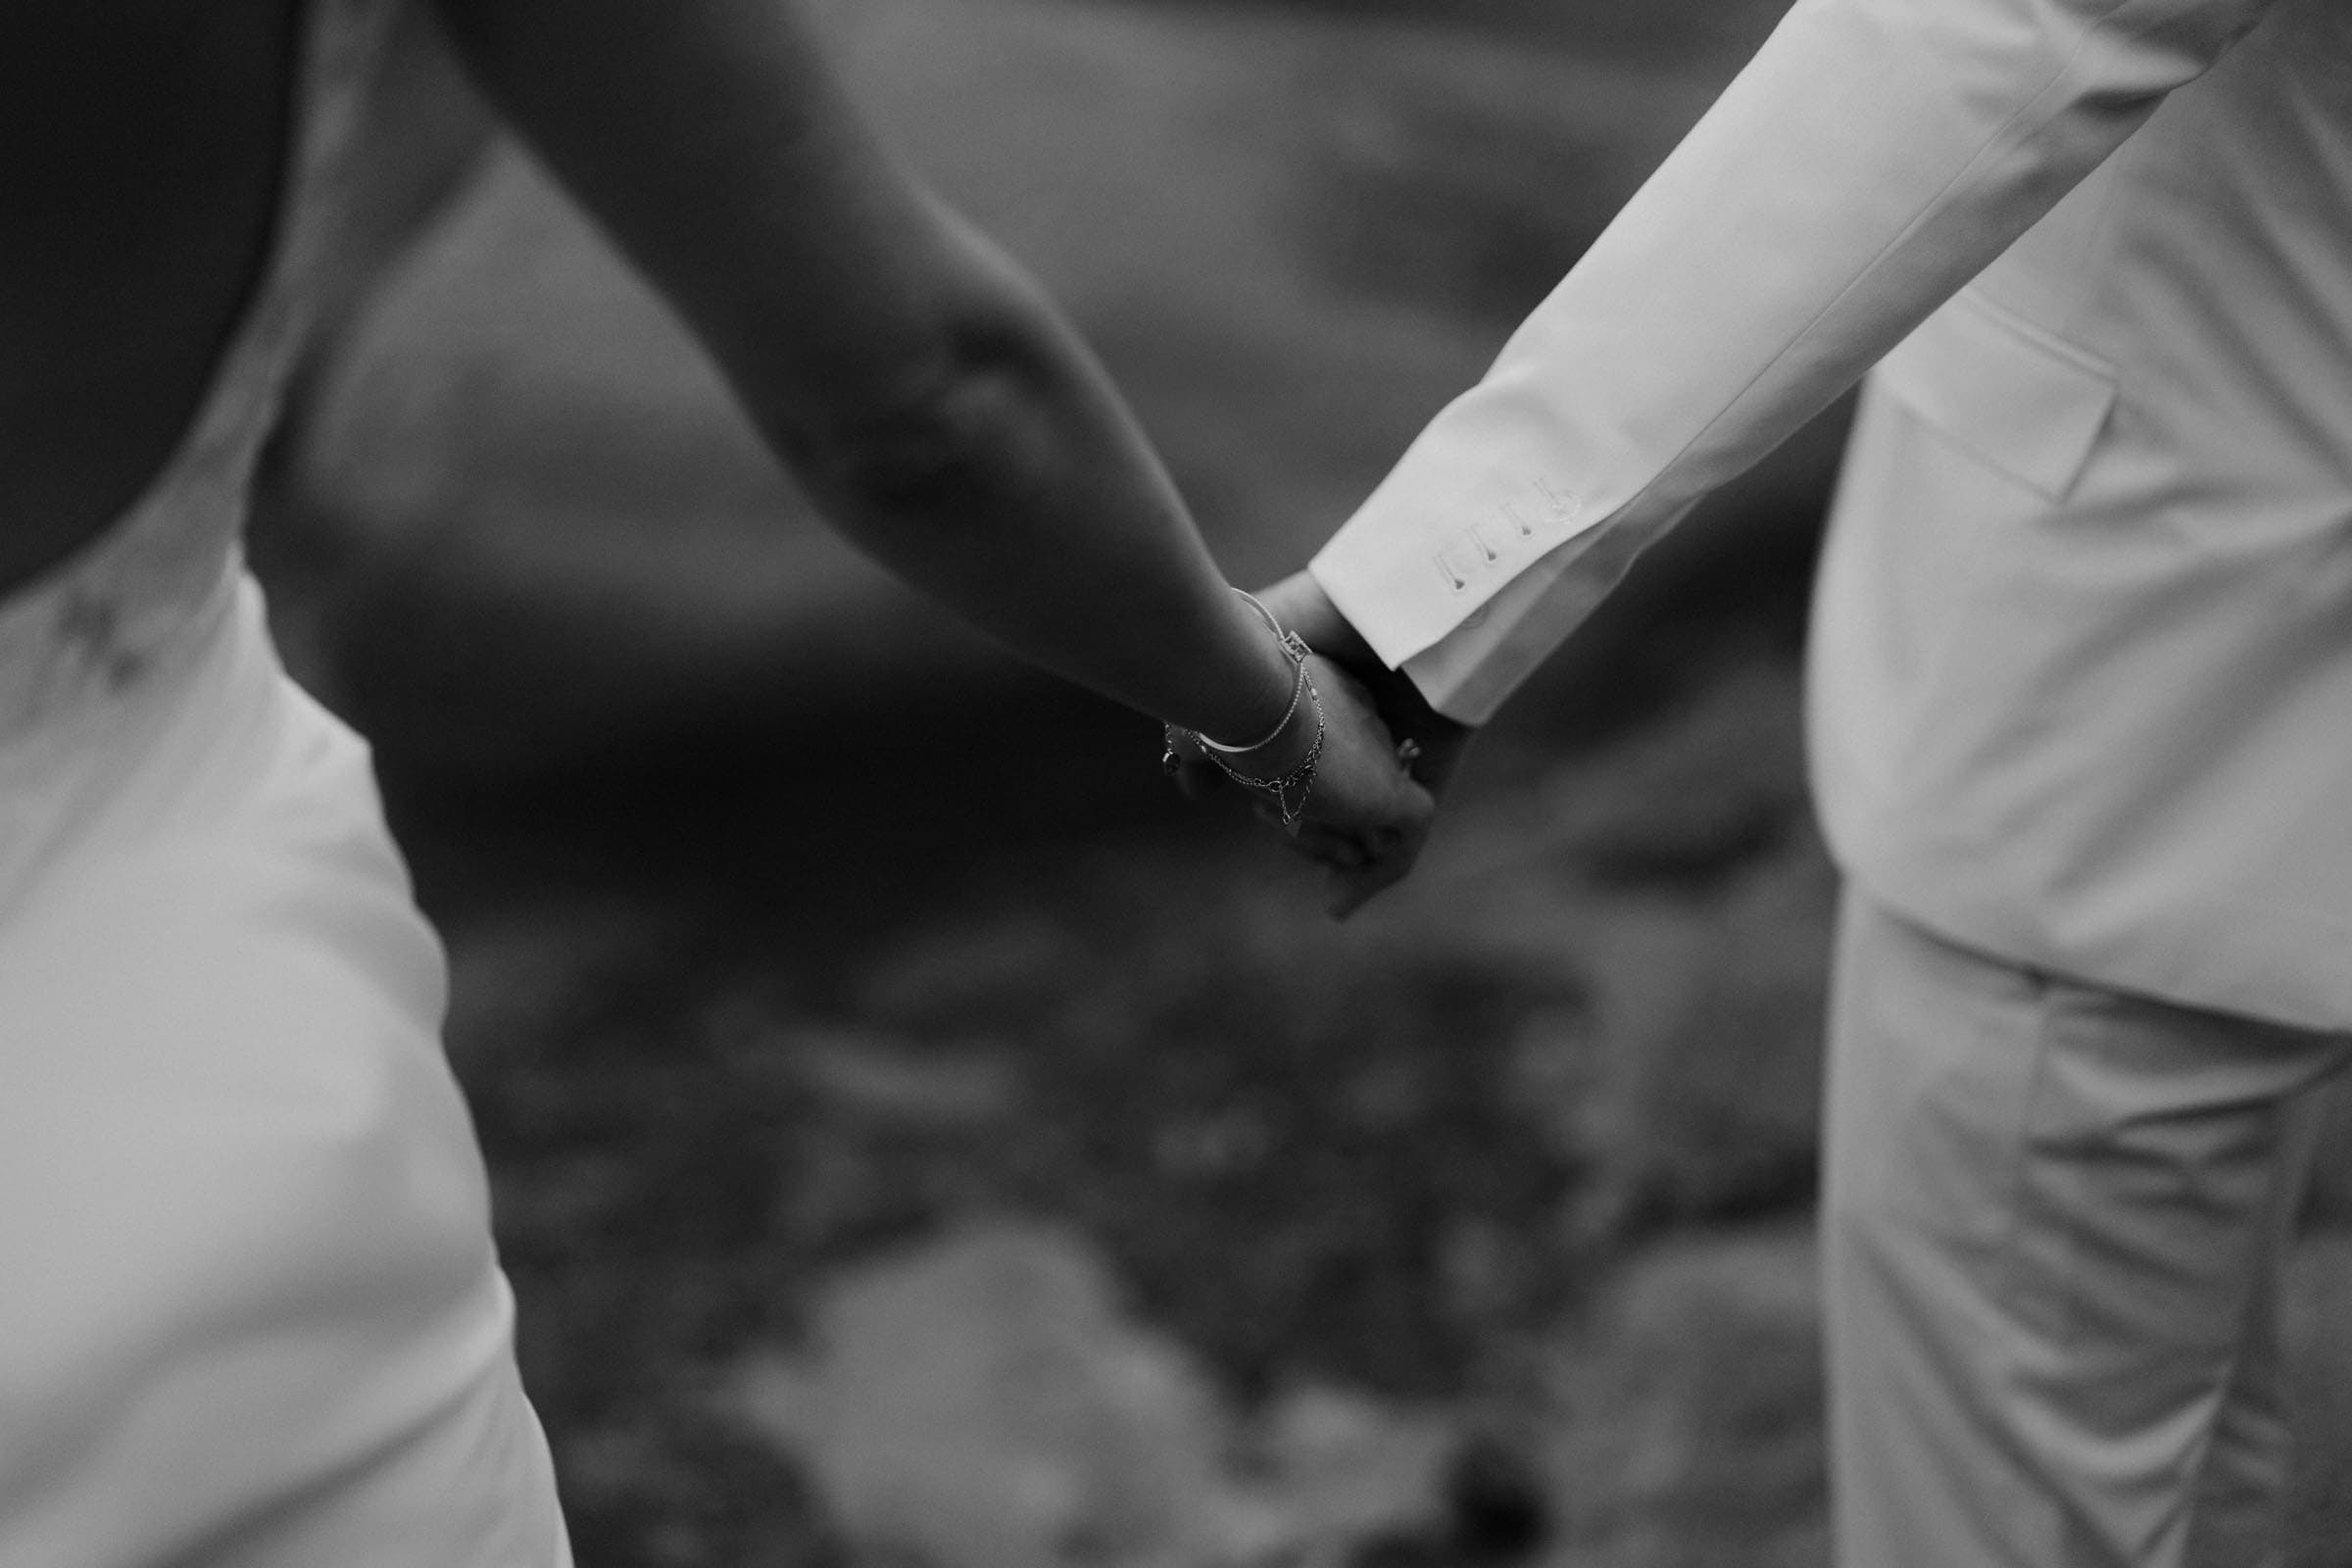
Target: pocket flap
[{"x": 2021, "y": 399}]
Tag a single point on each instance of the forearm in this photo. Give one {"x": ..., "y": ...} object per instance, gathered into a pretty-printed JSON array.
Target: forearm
[
  {"x": 1007, "y": 480},
  {"x": 939, "y": 409}
]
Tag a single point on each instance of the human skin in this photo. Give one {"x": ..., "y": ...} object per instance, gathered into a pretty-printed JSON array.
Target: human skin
[
  {"x": 139, "y": 149},
  {"x": 924, "y": 392}
]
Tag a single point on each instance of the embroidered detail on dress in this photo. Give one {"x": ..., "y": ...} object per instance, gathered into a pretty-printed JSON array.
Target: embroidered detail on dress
[{"x": 89, "y": 631}]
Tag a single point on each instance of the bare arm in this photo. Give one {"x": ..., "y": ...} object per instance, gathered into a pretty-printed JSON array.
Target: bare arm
[{"x": 941, "y": 413}]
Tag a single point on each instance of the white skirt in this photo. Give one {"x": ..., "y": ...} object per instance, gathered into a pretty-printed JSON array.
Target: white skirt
[{"x": 249, "y": 1312}]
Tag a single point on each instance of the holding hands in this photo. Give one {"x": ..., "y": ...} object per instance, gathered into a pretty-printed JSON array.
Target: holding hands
[{"x": 1352, "y": 774}]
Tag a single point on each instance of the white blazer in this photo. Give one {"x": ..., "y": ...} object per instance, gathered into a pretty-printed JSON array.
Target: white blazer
[{"x": 2081, "y": 665}]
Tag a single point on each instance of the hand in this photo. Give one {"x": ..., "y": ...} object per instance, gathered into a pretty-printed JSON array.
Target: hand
[
  {"x": 1364, "y": 817},
  {"x": 1386, "y": 754},
  {"x": 1437, "y": 742}
]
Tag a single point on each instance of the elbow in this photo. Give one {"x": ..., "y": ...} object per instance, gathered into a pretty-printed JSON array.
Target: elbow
[
  {"x": 963, "y": 391},
  {"x": 931, "y": 441},
  {"x": 952, "y": 370}
]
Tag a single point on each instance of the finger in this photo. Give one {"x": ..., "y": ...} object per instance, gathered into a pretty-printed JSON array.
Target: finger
[
  {"x": 1333, "y": 848},
  {"x": 1351, "y": 888},
  {"x": 1317, "y": 841},
  {"x": 1396, "y": 820},
  {"x": 1320, "y": 842},
  {"x": 1443, "y": 743}
]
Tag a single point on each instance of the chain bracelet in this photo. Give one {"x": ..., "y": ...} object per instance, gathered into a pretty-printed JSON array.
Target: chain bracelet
[{"x": 1300, "y": 778}]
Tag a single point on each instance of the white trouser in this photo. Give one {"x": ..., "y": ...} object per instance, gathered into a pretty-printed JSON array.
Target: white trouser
[
  {"x": 250, "y": 1313},
  {"x": 2053, "y": 1225}
]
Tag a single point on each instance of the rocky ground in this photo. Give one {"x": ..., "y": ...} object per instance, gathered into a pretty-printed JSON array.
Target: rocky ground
[
  {"x": 917, "y": 1139},
  {"x": 1507, "y": 1178},
  {"x": 1084, "y": 1198}
]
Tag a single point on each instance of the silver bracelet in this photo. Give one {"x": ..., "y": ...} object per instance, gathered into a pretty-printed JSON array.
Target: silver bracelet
[
  {"x": 1291, "y": 644},
  {"x": 1300, "y": 778}
]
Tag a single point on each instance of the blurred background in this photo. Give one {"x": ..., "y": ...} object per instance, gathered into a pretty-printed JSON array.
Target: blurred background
[{"x": 916, "y": 1137}]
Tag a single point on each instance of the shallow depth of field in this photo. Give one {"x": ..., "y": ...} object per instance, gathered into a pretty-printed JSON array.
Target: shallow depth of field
[{"x": 920, "y": 1139}]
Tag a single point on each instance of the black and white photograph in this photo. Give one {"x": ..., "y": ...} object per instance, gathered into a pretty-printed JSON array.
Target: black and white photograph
[{"x": 1176, "y": 784}]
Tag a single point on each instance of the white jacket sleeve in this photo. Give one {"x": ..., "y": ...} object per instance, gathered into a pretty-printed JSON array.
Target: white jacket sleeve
[{"x": 1873, "y": 157}]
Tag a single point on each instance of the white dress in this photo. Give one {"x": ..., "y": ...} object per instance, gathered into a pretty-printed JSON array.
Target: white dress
[{"x": 250, "y": 1311}]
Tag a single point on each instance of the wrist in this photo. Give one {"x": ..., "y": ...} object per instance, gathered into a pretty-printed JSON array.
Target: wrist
[
  {"x": 1284, "y": 745},
  {"x": 1257, "y": 688},
  {"x": 1280, "y": 761}
]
